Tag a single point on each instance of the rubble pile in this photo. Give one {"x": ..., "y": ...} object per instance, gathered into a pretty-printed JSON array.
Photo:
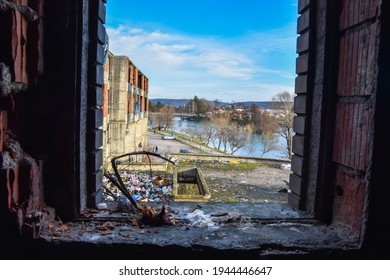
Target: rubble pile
[{"x": 143, "y": 187}]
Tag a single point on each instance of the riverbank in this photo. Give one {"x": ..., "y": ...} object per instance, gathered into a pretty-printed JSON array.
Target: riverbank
[{"x": 196, "y": 147}]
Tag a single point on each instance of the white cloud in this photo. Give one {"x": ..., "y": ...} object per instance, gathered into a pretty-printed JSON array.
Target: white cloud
[{"x": 180, "y": 66}]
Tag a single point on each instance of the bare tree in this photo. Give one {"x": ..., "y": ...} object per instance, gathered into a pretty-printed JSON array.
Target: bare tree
[
  {"x": 235, "y": 139},
  {"x": 163, "y": 119},
  {"x": 270, "y": 143},
  {"x": 167, "y": 114},
  {"x": 282, "y": 106},
  {"x": 225, "y": 135},
  {"x": 207, "y": 134},
  {"x": 191, "y": 131},
  {"x": 219, "y": 138}
]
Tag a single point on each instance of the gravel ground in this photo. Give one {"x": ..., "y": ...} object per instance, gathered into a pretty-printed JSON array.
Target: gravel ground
[{"x": 245, "y": 182}]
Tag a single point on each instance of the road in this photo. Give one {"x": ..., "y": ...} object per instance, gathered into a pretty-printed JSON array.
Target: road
[
  {"x": 166, "y": 146},
  {"x": 174, "y": 146}
]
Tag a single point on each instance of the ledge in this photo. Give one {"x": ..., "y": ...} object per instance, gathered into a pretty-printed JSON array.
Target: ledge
[{"x": 234, "y": 230}]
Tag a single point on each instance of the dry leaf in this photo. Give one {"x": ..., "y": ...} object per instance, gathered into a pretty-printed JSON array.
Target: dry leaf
[
  {"x": 174, "y": 222},
  {"x": 51, "y": 226},
  {"x": 63, "y": 228},
  {"x": 134, "y": 222},
  {"x": 142, "y": 231},
  {"x": 125, "y": 234},
  {"x": 106, "y": 232}
]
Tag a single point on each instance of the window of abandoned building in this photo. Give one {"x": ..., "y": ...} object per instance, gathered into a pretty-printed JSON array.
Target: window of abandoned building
[{"x": 200, "y": 176}]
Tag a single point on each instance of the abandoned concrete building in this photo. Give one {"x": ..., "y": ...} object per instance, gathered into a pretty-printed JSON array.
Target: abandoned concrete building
[
  {"x": 125, "y": 108},
  {"x": 51, "y": 98}
]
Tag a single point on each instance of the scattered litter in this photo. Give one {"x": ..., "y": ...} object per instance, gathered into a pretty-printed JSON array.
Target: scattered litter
[
  {"x": 102, "y": 206},
  {"x": 198, "y": 218},
  {"x": 285, "y": 166},
  {"x": 143, "y": 188}
]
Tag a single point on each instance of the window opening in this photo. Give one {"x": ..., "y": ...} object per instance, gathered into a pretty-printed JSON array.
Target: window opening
[{"x": 230, "y": 179}]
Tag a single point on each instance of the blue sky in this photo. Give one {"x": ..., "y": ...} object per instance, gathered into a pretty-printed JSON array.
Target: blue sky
[{"x": 231, "y": 50}]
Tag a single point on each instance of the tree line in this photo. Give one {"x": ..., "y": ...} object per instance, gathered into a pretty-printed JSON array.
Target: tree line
[{"x": 228, "y": 126}]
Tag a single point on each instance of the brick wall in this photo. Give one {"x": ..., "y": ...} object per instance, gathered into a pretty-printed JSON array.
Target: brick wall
[
  {"x": 337, "y": 68},
  {"x": 356, "y": 85},
  {"x": 21, "y": 187}
]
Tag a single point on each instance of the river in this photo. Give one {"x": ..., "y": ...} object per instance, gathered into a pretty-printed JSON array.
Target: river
[{"x": 253, "y": 148}]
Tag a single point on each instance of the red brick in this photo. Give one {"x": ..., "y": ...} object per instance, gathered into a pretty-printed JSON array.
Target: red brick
[
  {"x": 3, "y": 127},
  {"x": 351, "y": 137},
  {"x": 348, "y": 207},
  {"x": 354, "y": 61},
  {"x": 344, "y": 14},
  {"x": 340, "y": 80},
  {"x": 371, "y": 59},
  {"x": 374, "y": 6}
]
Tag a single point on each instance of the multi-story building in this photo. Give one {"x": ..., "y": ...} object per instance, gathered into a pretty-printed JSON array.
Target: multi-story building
[{"x": 125, "y": 109}]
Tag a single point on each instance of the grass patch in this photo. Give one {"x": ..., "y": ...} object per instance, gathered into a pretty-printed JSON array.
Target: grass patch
[
  {"x": 230, "y": 200},
  {"x": 240, "y": 166}
]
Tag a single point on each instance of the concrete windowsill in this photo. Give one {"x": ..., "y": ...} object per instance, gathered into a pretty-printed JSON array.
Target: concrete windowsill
[{"x": 240, "y": 230}]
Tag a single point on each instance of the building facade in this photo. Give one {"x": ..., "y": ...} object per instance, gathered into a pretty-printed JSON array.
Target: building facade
[{"x": 125, "y": 108}]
